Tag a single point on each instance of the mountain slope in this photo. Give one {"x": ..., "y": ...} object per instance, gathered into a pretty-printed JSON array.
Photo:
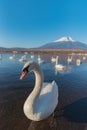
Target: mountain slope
[{"x": 65, "y": 43}]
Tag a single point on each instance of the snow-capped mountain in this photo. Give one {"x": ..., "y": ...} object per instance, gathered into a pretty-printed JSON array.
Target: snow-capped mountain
[
  {"x": 65, "y": 43},
  {"x": 66, "y": 39}
]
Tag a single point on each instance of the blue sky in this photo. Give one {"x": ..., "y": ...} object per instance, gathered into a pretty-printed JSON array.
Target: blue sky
[{"x": 32, "y": 23}]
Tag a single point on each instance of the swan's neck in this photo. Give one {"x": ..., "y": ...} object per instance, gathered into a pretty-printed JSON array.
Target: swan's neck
[
  {"x": 38, "y": 83},
  {"x": 30, "y": 103},
  {"x": 57, "y": 60}
]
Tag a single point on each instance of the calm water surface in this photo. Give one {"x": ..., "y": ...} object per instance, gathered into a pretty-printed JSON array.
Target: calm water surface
[{"x": 71, "y": 112}]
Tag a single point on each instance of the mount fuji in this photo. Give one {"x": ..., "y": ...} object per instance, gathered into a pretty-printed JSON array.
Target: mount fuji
[{"x": 64, "y": 43}]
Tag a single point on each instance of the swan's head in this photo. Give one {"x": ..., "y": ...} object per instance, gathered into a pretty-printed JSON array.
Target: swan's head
[{"x": 28, "y": 67}]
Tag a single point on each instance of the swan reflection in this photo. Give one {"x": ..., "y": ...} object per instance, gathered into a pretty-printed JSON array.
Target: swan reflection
[{"x": 48, "y": 124}]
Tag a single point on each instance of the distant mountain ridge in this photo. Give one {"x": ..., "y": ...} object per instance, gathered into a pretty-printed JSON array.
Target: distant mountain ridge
[
  {"x": 64, "y": 43},
  {"x": 13, "y": 48}
]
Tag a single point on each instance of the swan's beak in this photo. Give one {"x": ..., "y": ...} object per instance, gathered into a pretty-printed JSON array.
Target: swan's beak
[{"x": 24, "y": 73}]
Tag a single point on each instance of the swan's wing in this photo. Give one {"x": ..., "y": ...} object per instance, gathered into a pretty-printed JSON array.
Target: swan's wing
[
  {"x": 49, "y": 88},
  {"x": 48, "y": 99},
  {"x": 44, "y": 104}
]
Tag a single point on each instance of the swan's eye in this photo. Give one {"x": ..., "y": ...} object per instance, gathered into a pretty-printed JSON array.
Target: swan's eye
[{"x": 26, "y": 68}]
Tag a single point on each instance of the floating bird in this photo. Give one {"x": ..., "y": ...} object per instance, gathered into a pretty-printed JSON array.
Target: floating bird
[
  {"x": 40, "y": 60},
  {"x": 43, "y": 100},
  {"x": 12, "y": 57},
  {"x": 78, "y": 62},
  {"x": 23, "y": 58},
  {"x": 32, "y": 56},
  {"x": 53, "y": 59},
  {"x": 69, "y": 59},
  {"x": 58, "y": 66}
]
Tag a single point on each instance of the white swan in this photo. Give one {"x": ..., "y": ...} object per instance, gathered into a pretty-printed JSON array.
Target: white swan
[
  {"x": 43, "y": 100},
  {"x": 69, "y": 59},
  {"x": 53, "y": 59},
  {"x": 78, "y": 62},
  {"x": 32, "y": 56},
  {"x": 84, "y": 58},
  {"x": 23, "y": 58},
  {"x": 40, "y": 61},
  {"x": 58, "y": 66},
  {"x": 12, "y": 57}
]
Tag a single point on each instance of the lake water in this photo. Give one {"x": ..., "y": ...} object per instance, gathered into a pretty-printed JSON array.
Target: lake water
[{"x": 71, "y": 112}]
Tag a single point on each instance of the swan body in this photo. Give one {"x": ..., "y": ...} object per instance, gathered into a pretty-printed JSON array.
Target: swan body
[
  {"x": 84, "y": 58},
  {"x": 78, "y": 62},
  {"x": 40, "y": 60},
  {"x": 12, "y": 57},
  {"x": 59, "y": 67},
  {"x": 32, "y": 56},
  {"x": 43, "y": 100},
  {"x": 53, "y": 59},
  {"x": 69, "y": 60},
  {"x": 23, "y": 58}
]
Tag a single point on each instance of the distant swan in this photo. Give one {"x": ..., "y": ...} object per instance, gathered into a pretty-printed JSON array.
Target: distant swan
[
  {"x": 84, "y": 58},
  {"x": 23, "y": 58},
  {"x": 32, "y": 56},
  {"x": 43, "y": 100},
  {"x": 12, "y": 57},
  {"x": 78, "y": 62},
  {"x": 40, "y": 60},
  {"x": 58, "y": 66},
  {"x": 53, "y": 59},
  {"x": 69, "y": 59}
]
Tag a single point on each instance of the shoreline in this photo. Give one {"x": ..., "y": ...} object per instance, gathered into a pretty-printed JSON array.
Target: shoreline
[{"x": 66, "y": 51}]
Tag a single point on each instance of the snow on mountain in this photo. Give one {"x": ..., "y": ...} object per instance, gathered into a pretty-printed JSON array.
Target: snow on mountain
[{"x": 64, "y": 39}]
